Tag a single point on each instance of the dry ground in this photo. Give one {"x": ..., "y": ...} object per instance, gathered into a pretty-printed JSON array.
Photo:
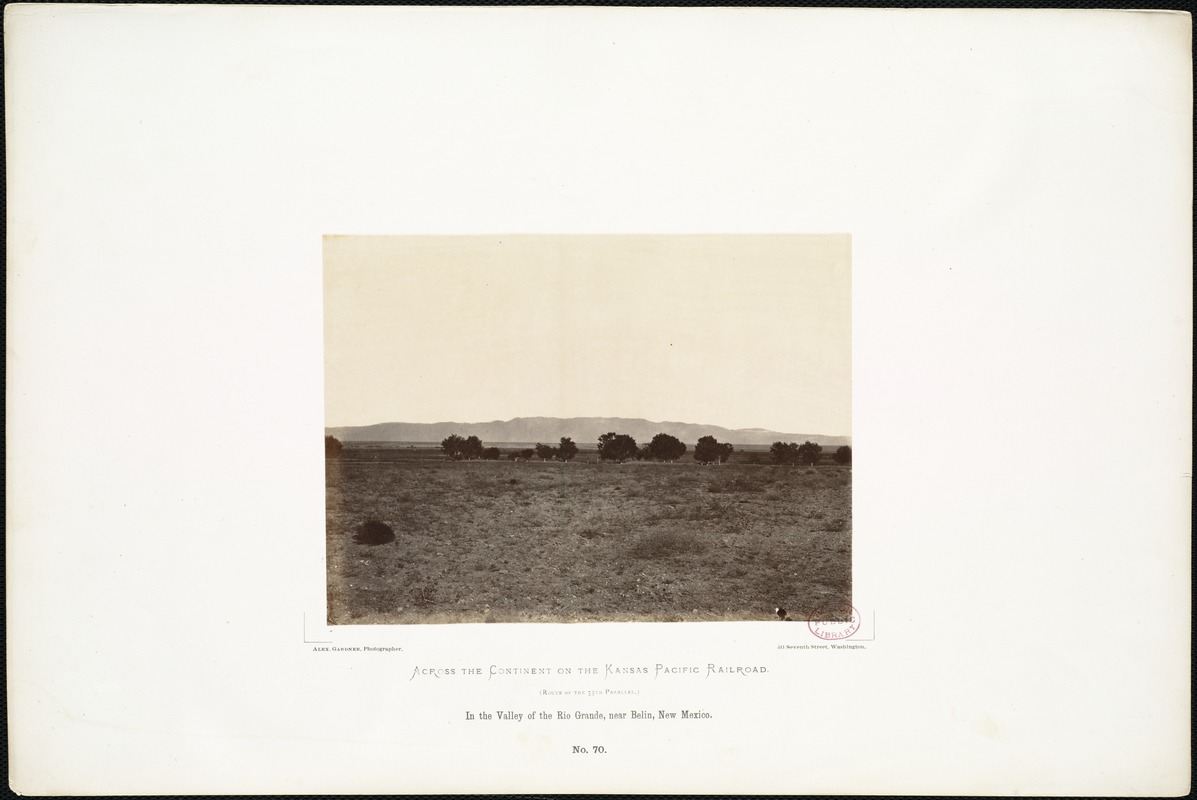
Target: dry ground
[{"x": 486, "y": 541}]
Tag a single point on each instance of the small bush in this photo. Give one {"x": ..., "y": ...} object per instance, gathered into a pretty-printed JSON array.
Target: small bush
[
  {"x": 712, "y": 510},
  {"x": 373, "y": 532},
  {"x": 743, "y": 484},
  {"x": 425, "y": 595},
  {"x": 663, "y": 544},
  {"x": 739, "y": 483}
]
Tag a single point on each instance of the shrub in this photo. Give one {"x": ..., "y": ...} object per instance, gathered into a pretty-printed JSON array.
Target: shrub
[
  {"x": 425, "y": 595},
  {"x": 663, "y": 544},
  {"x": 843, "y": 455},
  {"x": 332, "y": 446},
  {"x": 373, "y": 532}
]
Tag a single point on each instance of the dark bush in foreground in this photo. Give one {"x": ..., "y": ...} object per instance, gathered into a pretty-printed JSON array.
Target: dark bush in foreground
[{"x": 374, "y": 532}]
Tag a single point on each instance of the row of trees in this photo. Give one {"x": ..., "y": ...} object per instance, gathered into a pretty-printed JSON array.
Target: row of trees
[
  {"x": 562, "y": 452},
  {"x": 458, "y": 449},
  {"x": 621, "y": 447},
  {"x": 806, "y": 453}
]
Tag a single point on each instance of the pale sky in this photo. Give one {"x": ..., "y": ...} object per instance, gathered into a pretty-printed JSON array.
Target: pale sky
[{"x": 734, "y": 330}]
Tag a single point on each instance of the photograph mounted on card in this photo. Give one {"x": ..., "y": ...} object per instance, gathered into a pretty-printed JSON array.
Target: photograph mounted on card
[{"x": 537, "y": 428}]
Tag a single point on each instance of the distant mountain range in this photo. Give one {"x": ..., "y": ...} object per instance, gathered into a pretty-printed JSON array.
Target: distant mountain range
[{"x": 583, "y": 430}]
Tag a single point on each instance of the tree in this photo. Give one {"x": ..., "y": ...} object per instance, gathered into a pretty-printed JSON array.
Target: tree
[
  {"x": 527, "y": 453},
  {"x": 725, "y": 451},
  {"x": 664, "y": 447},
  {"x": 544, "y": 452},
  {"x": 452, "y": 446},
  {"x": 808, "y": 453},
  {"x": 332, "y": 447},
  {"x": 843, "y": 455},
  {"x": 784, "y": 452},
  {"x": 709, "y": 450},
  {"x": 490, "y": 454},
  {"x": 567, "y": 450},
  {"x": 616, "y": 447},
  {"x": 472, "y": 448}
]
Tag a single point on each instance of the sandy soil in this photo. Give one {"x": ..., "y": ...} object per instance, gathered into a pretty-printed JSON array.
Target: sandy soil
[{"x": 485, "y": 541}]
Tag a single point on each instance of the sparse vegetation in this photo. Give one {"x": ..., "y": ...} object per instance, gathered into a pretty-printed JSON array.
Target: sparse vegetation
[
  {"x": 425, "y": 596},
  {"x": 664, "y": 544},
  {"x": 535, "y": 541}
]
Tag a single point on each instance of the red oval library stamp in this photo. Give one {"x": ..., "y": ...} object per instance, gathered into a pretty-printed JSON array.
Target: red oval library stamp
[{"x": 833, "y": 630}]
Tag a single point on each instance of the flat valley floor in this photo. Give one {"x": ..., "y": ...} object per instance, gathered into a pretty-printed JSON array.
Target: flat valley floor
[{"x": 503, "y": 541}]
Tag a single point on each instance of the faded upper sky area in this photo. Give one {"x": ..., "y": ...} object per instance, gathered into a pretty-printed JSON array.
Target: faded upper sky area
[{"x": 735, "y": 330}]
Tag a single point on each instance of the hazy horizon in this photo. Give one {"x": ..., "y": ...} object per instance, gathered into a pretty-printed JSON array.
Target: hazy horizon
[
  {"x": 580, "y": 416},
  {"x": 737, "y": 331}
]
